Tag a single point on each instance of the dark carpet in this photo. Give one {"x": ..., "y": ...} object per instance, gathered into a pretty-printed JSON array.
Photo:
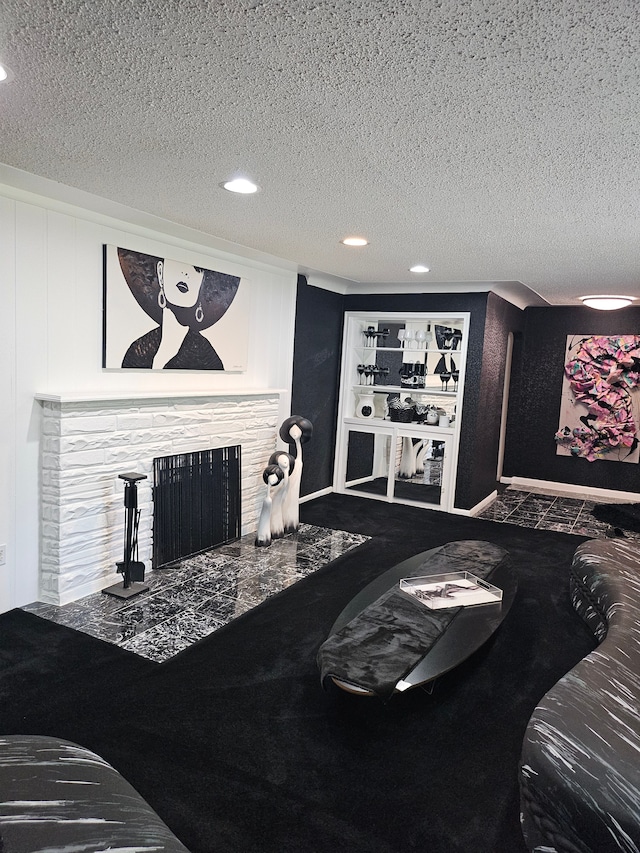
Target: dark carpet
[
  {"x": 238, "y": 748},
  {"x": 626, "y": 516}
]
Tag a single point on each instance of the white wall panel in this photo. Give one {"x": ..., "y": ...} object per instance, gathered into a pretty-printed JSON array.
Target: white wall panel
[
  {"x": 8, "y": 397},
  {"x": 51, "y": 279}
]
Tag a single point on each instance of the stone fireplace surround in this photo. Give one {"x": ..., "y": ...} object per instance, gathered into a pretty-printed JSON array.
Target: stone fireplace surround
[{"x": 87, "y": 441}]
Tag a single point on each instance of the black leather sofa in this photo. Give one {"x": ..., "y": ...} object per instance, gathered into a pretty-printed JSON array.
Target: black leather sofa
[
  {"x": 580, "y": 767},
  {"x": 58, "y": 796}
]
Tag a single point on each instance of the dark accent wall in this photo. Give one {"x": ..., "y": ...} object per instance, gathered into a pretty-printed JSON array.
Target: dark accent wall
[
  {"x": 317, "y": 356},
  {"x": 316, "y": 374},
  {"x": 501, "y": 319},
  {"x": 530, "y": 450}
]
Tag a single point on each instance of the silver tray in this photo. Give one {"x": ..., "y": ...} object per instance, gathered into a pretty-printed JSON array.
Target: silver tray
[{"x": 451, "y": 589}]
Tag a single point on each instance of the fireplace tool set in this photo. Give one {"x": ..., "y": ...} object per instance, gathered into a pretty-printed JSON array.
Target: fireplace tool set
[{"x": 131, "y": 569}]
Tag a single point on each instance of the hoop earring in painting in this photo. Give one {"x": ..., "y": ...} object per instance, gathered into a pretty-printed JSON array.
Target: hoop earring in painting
[
  {"x": 199, "y": 314},
  {"x": 162, "y": 299}
]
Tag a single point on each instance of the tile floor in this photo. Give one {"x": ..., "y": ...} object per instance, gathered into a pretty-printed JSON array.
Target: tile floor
[
  {"x": 549, "y": 512},
  {"x": 201, "y": 594},
  {"x": 197, "y": 596}
]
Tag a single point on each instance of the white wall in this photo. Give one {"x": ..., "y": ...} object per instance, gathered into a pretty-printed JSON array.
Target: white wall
[{"x": 51, "y": 340}]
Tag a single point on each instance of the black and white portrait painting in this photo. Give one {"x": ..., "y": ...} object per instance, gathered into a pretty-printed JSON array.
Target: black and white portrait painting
[{"x": 163, "y": 314}]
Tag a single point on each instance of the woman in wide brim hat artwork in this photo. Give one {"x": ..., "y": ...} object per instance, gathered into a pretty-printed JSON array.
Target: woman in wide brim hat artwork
[{"x": 184, "y": 301}]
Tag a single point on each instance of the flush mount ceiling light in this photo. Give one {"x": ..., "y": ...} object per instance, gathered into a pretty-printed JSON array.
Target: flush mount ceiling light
[
  {"x": 354, "y": 241},
  {"x": 419, "y": 268},
  {"x": 240, "y": 185},
  {"x": 607, "y": 303},
  {"x": 5, "y": 73}
]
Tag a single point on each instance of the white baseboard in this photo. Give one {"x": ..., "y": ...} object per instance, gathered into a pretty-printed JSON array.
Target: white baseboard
[
  {"x": 318, "y": 494},
  {"x": 571, "y": 490},
  {"x": 478, "y": 508}
]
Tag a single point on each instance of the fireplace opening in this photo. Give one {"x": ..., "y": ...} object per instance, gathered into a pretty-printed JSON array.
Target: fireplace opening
[{"x": 196, "y": 503}]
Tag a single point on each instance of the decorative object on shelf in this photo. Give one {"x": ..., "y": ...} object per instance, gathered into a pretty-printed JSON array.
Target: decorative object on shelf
[
  {"x": 455, "y": 375},
  {"x": 381, "y": 373},
  {"x": 401, "y": 411},
  {"x": 456, "y": 339},
  {"x": 445, "y": 378},
  {"x": 433, "y": 416},
  {"x": 369, "y": 373},
  {"x": 372, "y": 336},
  {"x": 412, "y": 374},
  {"x": 381, "y": 408},
  {"x": 444, "y": 337},
  {"x": 297, "y": 430},
  {"x": 423, "y": 337},
  {"x": 365, "y": 407},
  {"x": 400, "y": 337},
  {"x": 272, "y": 476},
  {"x": 409, "y": 339},
  {"x": 287, "y": 463},
  {"x": 420, "y": 412},
  {"x": 131, "y": 568},
  {"x": 600, "y": 406},
  {"x": 443, "y": 421}
]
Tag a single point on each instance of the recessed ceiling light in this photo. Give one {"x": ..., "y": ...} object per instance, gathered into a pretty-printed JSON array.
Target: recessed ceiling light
[
  {"x": 355, "y": 241},
  {"x": 240, "y": 185},
  {"x": 419, "y": 268},
  {"x": 607, "y": 303}
]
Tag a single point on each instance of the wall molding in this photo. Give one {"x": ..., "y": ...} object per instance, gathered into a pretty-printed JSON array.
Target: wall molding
[
  {"x": 478, "y": 508},
  {"x": 571, "y": 490},
  {"x": 306, "y": 498}
]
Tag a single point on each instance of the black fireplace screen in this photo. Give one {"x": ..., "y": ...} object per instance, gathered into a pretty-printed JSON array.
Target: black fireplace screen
[{"x": 196, "y": 502}]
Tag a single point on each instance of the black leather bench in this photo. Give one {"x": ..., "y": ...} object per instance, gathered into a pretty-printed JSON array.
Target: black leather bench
[
  {"x": 580, "y": 768},
  {"x": 58, "y": 796}
]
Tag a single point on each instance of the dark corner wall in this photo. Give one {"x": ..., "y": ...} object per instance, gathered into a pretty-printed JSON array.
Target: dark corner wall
[
  {"x": 317, "y": 355},
  {"x": 539, "y": 335},
  {"x": 472, "y": 432},
  {"x": 536, "y": 388},
  {"x": 502, "y": 319},
  {"x": 316, "y": 378}
]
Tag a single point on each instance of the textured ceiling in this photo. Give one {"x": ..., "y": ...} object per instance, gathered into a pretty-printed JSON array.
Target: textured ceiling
[{"x": 492, "y": 141}]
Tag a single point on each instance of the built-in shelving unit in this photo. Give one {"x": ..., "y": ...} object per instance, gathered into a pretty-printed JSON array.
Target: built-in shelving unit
[{"x": 400, "y": 406}]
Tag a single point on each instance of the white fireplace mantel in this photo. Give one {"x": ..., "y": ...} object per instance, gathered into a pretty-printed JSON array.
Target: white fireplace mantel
[{"x": 113, "y": 396}]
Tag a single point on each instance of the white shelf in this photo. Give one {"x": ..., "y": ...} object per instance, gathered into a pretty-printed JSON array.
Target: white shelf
[
  {"x": 398, "y": 389},
  {"x": 109, "y": 396},
  {"x": 387, "y": 422},
  {"x": 422, "y": 351}
]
